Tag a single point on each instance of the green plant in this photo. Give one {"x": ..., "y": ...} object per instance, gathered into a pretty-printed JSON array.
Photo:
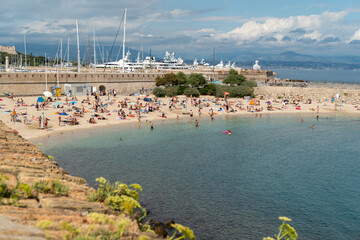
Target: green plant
[
  {"x": 196, "y": 80},
  {"x": 42, "y": 186},
  {"x": 240, "y": 91},
  {"x": 117, "y": 196},
  {"x": 211, "y": 89},
  {"x": 285, "y": 231},
  {"x": 186, "y": 232},
  {"x": 54, "y": 187},
  {"x": 171, "y": 91},
  {"x": 159, "y": 92},
  {"x": 192, "y": 92},
  {"x": 234, "y": 78},
  {"x": 59, "y": 189},
  {"x": 70, "y": 231},
  {"x": 181, "y": 90},
  {"x": 44, "y": 224},
  {"x": 182, "y": 78},
  {"x": 4, "y": 191},
  {"x": 22, "y": 190},
  {"x": 204, "y": 90},
  {"x": 249, "y": 83}
]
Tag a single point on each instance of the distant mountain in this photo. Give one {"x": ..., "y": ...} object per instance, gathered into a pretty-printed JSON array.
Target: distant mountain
[{"x": 244, "y": 58}]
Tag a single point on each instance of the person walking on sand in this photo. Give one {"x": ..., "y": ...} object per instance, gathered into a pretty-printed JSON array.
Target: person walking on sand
[{"x": 59, "y": 120}]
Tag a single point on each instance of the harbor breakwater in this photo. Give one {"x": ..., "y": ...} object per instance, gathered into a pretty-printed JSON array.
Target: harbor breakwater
[
  {"x": 23, "y": 163},
  {"x": 33, "y": 83}
]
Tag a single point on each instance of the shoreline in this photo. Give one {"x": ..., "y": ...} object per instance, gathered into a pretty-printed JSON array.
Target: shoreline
[{"x": 32, "y": 132}]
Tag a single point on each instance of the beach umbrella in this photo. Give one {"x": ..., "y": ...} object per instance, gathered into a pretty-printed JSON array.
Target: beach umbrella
[
  {"x": 132, "y": 103},
  {"x": 73, "y": 102},
  {"x": 0, "y": 99},
  {"x": 58, "y": 103},
  {"x": 40, "y": 99},
  {"x": 252, "y": 102},
  {"x": 62, "y": 113},
  {"x": 47, "y": 94},
  {"x": 268, "y": 102}
]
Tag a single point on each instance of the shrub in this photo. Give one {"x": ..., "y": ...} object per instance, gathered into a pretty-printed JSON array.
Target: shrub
[
  {"x": 117, "y": 196},
  {"x": 167, "y": 80},
  {"x": 181, "y": 90},
  {"x": 54, "y": 187},
  {"x": 220, "y": 90},
  {"x": 22, "y": 190},
  {"x": 249, "y": 83},
  {"x": 171, "y": 91},
  {"x": 211, "y": 89},
  {"x": 204, "y": 90},
  {"x": 59, "y": 189},
  {"x": 234, "y": 79},
  {"x": 159, "y": 92},
  {"x": 192, "y": 92},
  {"x": 240, "y": 91},
  {"x": 196, "y": 80},
  {"x": 181, "y": 78}
]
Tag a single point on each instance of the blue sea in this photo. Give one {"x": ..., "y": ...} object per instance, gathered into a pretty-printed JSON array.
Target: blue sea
[
  {"x": 319, "y": 75},
  {"x": 231, "y": 186}
]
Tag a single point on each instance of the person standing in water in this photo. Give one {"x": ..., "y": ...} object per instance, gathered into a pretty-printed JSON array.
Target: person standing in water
[
  {"x": 151, "y": 125},
  {"x": 196, "y": 123}
]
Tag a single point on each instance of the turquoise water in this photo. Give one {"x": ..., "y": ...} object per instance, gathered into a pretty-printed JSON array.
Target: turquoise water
[
  {"x": 320, "y": 75},
  {"x": 232, "y": 187}
]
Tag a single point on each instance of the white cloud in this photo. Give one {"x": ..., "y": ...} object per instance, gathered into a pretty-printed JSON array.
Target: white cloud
[
  {"x": 355, "y": 36},
  {"x": 313, "y": 27}
]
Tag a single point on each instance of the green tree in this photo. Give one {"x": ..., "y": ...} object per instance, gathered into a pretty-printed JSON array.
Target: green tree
[
  {"x": 191, "y": 92},
  {"x": 181, "y": 78},
  {"x": 160, "y": 81},
  {"x": 196, "y": 80},
  {"x": 172, "y": 91},
  {"x": 168, "y": 79},
  {"x": 233, "y": 72},
  {"x": 240, "y": 91},
  {"x": 249, "y": 83},
  {"x": 159, "y": 92},
  {"x": 234, "y": 79}
]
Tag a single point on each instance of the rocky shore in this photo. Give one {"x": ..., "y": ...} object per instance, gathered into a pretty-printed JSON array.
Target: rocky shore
[{"x": 23, "y": 163}]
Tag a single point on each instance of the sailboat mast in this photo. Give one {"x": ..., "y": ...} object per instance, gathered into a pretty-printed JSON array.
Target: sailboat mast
[
  {"x": 68, "y": 47},
  {"x": 214, "y": 60},
  {"x": 123, "y": 57},
  {"x": 88, "y": 55},
  {"x": 45, "y": 74},
  {"x": 61, "y": 56},
  {"x": 94, "y": 49},
  {"x": 25, "y": 51},
  {"x": 78, "y": 46}
]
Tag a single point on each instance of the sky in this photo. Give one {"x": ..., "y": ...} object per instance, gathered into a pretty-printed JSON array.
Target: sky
[{"x": 191, "y": 28}]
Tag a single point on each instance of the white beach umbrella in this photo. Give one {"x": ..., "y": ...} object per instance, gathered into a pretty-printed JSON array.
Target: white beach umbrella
[{"x": 47, "y": 94}]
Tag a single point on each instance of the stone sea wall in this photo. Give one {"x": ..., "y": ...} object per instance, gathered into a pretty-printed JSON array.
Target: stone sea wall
[
  {"x": 22, "y": 162},
  {"x": 349, "y": 95},
  {"x": 33, "y": 83}
]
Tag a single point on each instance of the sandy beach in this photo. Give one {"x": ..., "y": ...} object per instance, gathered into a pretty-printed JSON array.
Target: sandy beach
[{"x": 124, "y": 109}]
